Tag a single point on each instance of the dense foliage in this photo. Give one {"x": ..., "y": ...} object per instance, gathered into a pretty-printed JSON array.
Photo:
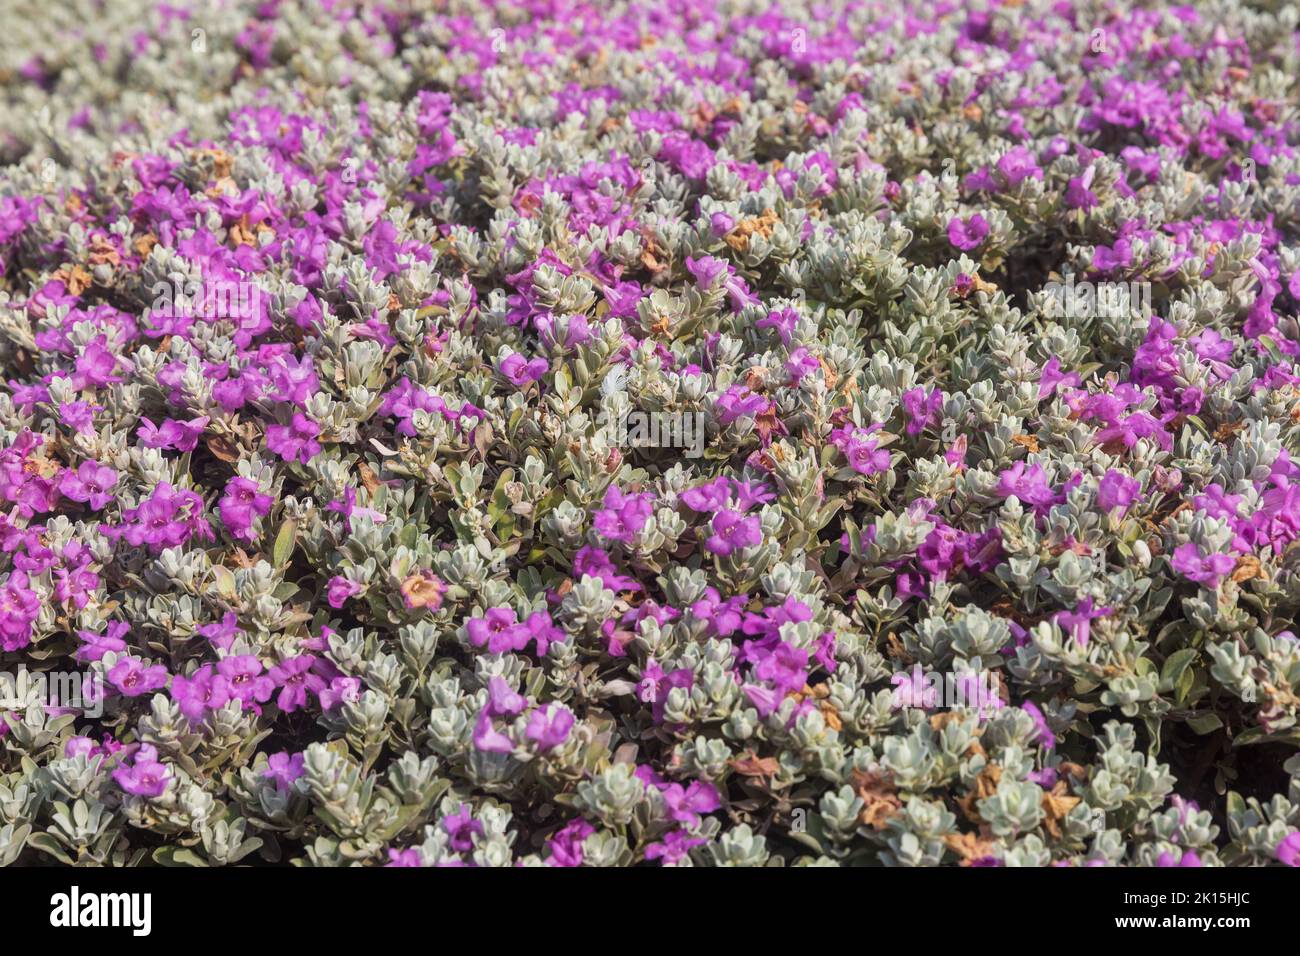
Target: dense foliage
[{"x": 322, "y": 325}]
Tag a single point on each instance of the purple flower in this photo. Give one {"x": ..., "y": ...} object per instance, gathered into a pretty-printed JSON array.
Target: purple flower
[
  {"x": 80, "y": 416},
  {"x": 1029, "y": 485},
  {"x": 183, "y": 436},
  {"x": 549, "y": 726},
  {"x": 283, "y": 769},
  {"x": 296, "y": 441},
  {"x": 97, "y": 645},
  {"x": 495, "y": 630},
  {"x": 1117, "y": 490},
  {"x": 166, "y": 519},
  {"x": 1045, "y": 735},
  {"x": 132, "y": 677},
  {"x": 221, "y": 633},
  {"x": 921, "y": 408},
  {"x": 739, "y": 402},
  {"x": 859, "y": 446},
  {"x": 1053, "y": 377},
  {"x": 566, "y": 843},
  {"x": 462, "y": 828},
  {"x": 1017, "y": 165},
  {"x": 206, "y": 690},
  {"x": 720, "y": 224},
  {"x": 341, "y": 690},
  {"x": 242, "y": 504},
  {"x": 91, "y": 483},
  {"x": 145, "y": 776},
  {"x": 295, "y": 679},
  {"x": 340, "y": 589},
  {"x": 1078, "y": 194},
  {"x": 687, "y": 804},
  {"x": 247, "y": 683},
  {"x": 19, "y": 608},
  {"x": 733, "y": 531},
  {"x": 623, "y": 516},
  {"x": 674, "y": 847},
  {"x": 408, "y": 857},
  {"x": 96, "y": 366},
  {"x": 503, "y": 700},
  {"x": 487, "y": 738},
  {"x": 968, "y": 234},
  {"x": 1288, "y": 850},
  {"x": 1079, "y": 621},
  {"x": 521, "y": 373},
  {"x": 1204, "y": 569},
  {"x": 800, "y": 364}
]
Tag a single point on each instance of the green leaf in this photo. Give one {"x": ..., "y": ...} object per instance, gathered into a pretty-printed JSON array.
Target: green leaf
[
  {"x": 284, "y": 543},
  {"x": 177, "y": 856},
  {"x": 1205, "y": 724},
  {"x": 1174, "y": 666},
  {"x": 1257, "y": 736},
  {"x": 48, "y": 845}
]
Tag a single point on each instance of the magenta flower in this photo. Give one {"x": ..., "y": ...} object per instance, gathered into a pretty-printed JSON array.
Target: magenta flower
[
  {"x": 859, "y": 446},
  {"x": 206, "y": 690},
  {"x": 968, "y": 234},
  {"x": 673, "y": 848},
  {"x": 739, "y": 402},
  {"x": 521, "y": 373},
  {"x": 1288, "y": 850},
  {"x": 503, "y": 700},
  {"x": 1117, "y": 490},
  {"x": 220, "y": 633},
  {"x": 283, "y": 769},
  {"x": 340, "y": 589},
  {"x": 144, "y": 776},
  {"x": 91, "y": 483},
  {"x": 549, "y": 726},
  {"x": 96, "y": 366},
  {"x": 1053, "y": 378},
  {"x": 1029, "y": 485},
  {"x": 182, "y": 436},
  {"x": 733, "y": 531},
  {"x": 1045, "y": 735},
  {"x": 1205, "y": 569},
  {"x": 461, "y": 827},
  {"x": 623, "y": 516},
  {"x": 247, "y": 683},
  {"x": 166, "y": 519},
  {"x": 296, "y": 441},
  {"x": 80, "y": 416},
  {"x": 19, "y": 608},
  {"x": 1078, "y": 623},
  {"x": 784, "y": 666},
  {"x": 495, "y": 630},
  {"x": 341, "y": 690},
  {"x": 921, "y": 409},
  {"x": 487, "y": 738},
  {"x": 687, "y": 804},
  {"x": 132, "y": 677},
  {"x": 1017, "y": 165},
  {"x": 800, "y": 364},
  {"x": 241, "y": 505},
  {"x": 97, "y": 645},
  {"x": 566, "y": 843},
  {"x": 294, "y": 677},
  {"x": 409, "y": 857}
]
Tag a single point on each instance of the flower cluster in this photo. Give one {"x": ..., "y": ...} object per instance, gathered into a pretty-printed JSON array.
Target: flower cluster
[{"x": 318, "y": 324}]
